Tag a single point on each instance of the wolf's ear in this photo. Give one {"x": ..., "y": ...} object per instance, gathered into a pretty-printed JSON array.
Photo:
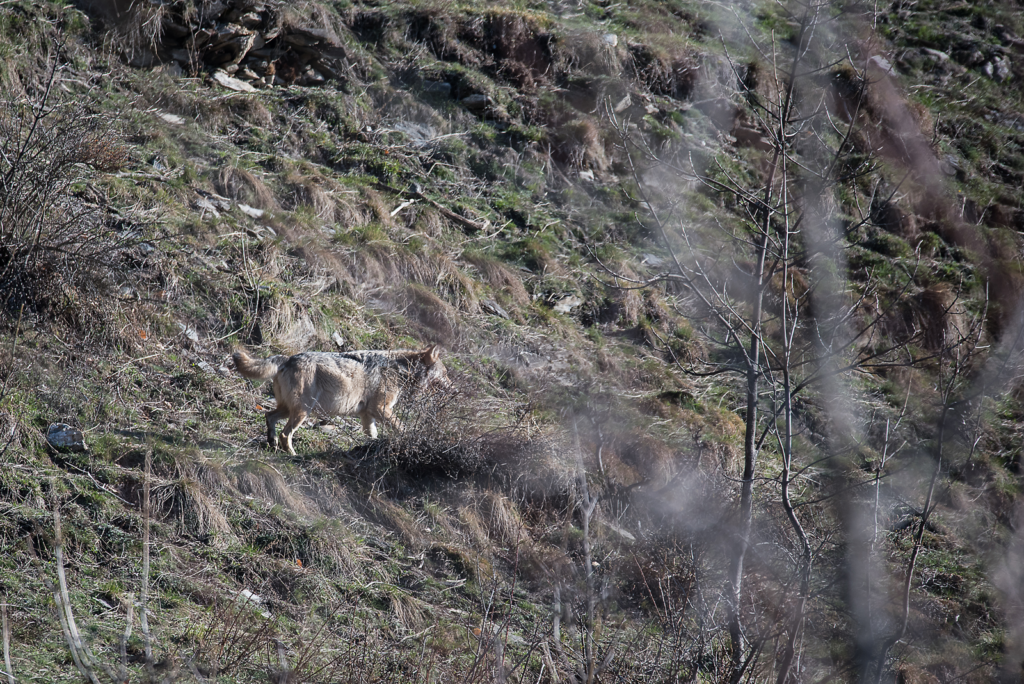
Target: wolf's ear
[{"x": 433, "y": 354}]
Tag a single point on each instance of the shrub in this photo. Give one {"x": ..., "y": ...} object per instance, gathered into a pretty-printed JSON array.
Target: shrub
[{"x": 52, "y": 240}]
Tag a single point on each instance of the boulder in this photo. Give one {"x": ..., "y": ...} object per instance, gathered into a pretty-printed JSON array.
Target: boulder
[
  {"x": 476, "y": 102},
  {"x": 65, "y": 438}
]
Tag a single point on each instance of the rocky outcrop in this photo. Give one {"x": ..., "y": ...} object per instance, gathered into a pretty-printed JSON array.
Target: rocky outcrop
[{"x": 245, "y": 41}]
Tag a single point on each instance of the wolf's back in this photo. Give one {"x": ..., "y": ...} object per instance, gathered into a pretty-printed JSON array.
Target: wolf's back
[{"x": 257, "y": 369}]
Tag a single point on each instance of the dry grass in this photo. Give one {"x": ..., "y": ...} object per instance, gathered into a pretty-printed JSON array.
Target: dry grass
[
  {"x": 430, "y": 310},
  {"x": 263, "y": 481},
  {"x": 499, "y": 276},
  {"x": 188, "y": 499},
  {"x": 242, "y": 186},
  {"x": 580, "y": 144},
  {"x": 504, "y": 524},
  {"x": 292, "y": 326}
]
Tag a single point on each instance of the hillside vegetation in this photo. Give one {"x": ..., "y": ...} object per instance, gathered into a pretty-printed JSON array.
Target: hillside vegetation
[{"x": 730, "y": 296}]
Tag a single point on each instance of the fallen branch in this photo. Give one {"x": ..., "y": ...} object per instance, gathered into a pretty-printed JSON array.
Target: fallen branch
[{"x": 417, "y": 194}]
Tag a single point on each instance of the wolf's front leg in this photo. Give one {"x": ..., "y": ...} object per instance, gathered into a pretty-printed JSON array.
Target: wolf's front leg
[
  {"x": 369, "y": 425},
  {"x": 294, "y": 423}
]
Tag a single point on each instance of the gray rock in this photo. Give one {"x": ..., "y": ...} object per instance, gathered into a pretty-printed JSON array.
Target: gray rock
[
  {"x": 476, "y": 101},
  {"x": 935, "y": 54},
  {"x": 567, "y": 304},
  {"x": 338, "y": 339},
  {"x": 205, "y": 205},
  {"x": 170, "y": 118},
  {"x": 882, "y": 64},
  {"x": 610, "y": 39},
  {"x": 250, "y": 20},
  {"x": 63, "y": 437}
]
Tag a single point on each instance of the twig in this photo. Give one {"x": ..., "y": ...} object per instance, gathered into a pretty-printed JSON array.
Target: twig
[
  {"x": 8, "y": 670},
  {"x": 144, "y": 595},
  {"x": 79, "y": 653}
]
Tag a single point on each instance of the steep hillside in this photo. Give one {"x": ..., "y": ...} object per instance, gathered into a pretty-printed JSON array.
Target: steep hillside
[{"x": 729, "y": 296}]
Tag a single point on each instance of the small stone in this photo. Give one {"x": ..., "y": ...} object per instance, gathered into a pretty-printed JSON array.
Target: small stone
[
  {"x": 230, "y": 82},
  {"x": 206, "y": 205},
  {"x": 567, "y": 304},
  {"x": 171, "y": 118},
  {"x": 610, "y": 39},
  {"x": 63, "y": 437},
  {"x": 250, "y": 20},
  {"x": 882, "y": 64},
  {"x": 338, "y": 339},
  {"x": 622, "y": 104},
  {"x": 189, "y": 332},
  {"x": 935, "y": 54},
  {"x": 252, "y": 212}
]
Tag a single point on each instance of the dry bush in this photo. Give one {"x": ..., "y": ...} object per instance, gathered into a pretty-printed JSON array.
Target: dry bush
[
  {"x": 242, "y": 186},
  {"x": 437, "y": 439},
  {"x": 55, "y": 245}
]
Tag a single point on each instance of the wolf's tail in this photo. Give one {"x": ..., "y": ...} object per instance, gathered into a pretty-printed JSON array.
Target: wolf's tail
[{"x": 257, "y": 369}]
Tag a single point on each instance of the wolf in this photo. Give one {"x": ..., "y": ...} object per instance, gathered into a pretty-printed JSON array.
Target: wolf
[{"x": 365, "y": 383}]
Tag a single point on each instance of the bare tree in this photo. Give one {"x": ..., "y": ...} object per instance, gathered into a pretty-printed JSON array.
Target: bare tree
[{"x": 773, "y": 294}]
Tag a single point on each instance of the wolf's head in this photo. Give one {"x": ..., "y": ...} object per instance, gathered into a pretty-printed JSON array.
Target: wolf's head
[{"x": 435, "y": 375}]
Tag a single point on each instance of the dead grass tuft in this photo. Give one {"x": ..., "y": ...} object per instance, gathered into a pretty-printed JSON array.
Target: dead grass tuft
[
  {"x": 392, "y": 516},
  {"x": 242, "y": 186},
  {"x": 499, "y": 276},
  {"x": 504, "y": 524},
  {"x": 250, "y": 110},
  {"x": 312, "y": 191},
  {"x": 186, "y": 500},
  {"x": 663, "y": 71},
  {"x": 290, "y": 325},
  {"x": 580, "y": 144},
  {"x": 430, "y": 310},
  {"x": 585, "y": 53},
  {"x": 263, "y": 481}
]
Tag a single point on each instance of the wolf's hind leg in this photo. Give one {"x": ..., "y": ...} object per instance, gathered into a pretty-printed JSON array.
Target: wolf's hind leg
[
  {"x": 294, "y": 421},
  {"x": 280, "y": 413}
]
